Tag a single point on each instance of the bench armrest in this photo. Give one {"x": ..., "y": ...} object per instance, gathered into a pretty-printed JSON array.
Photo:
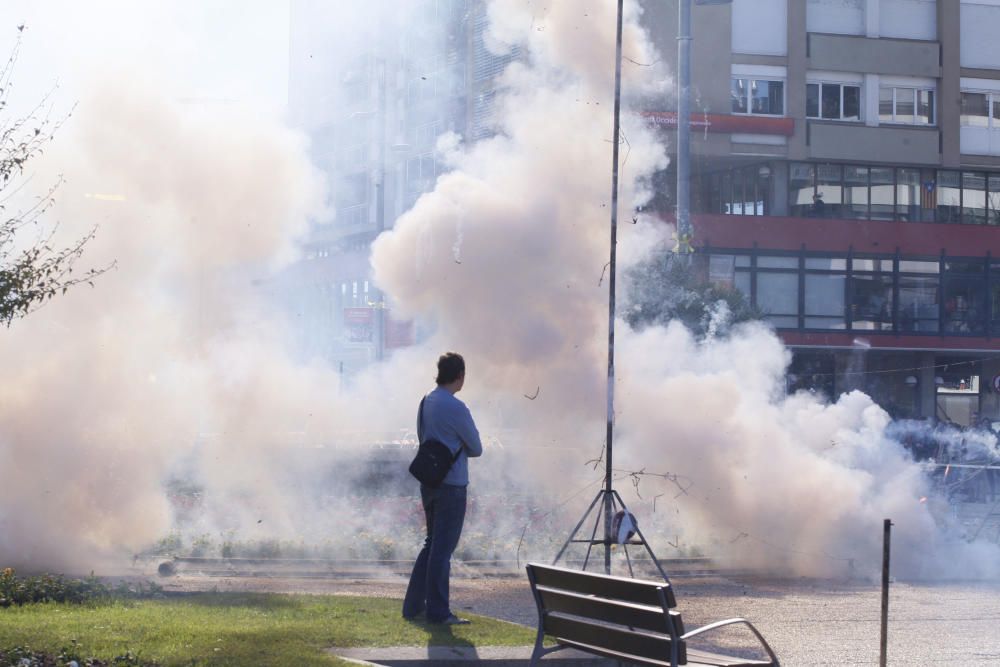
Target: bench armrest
[{"x": 731, "y": 621}]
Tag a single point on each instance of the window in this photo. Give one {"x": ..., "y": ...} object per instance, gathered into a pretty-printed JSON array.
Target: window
[
  {"x": 871, "y": 302},
  {"x": 778, "y": 289},
  {"x": 964, "y": 296},
  {"x": 778, "y": 298},
  {"x": 732, "y": 271},
  {"x": 882, "y": 203},
  {"x": 952, "y": 296},
  {"x": 833, "y": 101},
  {"x": 851, "y": 191},
  {"x": 908, "y": 194},
  {"x": 993, "y": 199},
  {"x": 973, "y": 197},
  {"x": 421, "y": 172},
  {"x": 976, "y": 109},
  {"x": 758, "y": 96},
  {"x": 980, "y": 120},
  {"x": 870, "y": 294},
  {"x": 855, "y": 192},
  {"x": 949, "y": 196},
  {"x": 918, "y": 296},
  {"x": 830, "y": 190},
  {"x": 743, "y": 191},
  {"x": 994, "y": 298},
  {"x": 825, "y": 280},
  {"x": 801, "y": 188},
  {"x": 425, "y": 135},
  {"x": 909, "y": 106}
]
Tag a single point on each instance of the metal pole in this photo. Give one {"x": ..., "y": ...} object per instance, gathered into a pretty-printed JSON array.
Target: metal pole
[
  {"x": 608, "y": 509},
  {"x": 380, "y": 206},
  {"x": 883, "y": 641},
  {"x": 684, "y": 231}
]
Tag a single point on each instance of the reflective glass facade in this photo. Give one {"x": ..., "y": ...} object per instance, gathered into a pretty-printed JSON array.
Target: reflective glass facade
[{"x": 870, "y": 293}]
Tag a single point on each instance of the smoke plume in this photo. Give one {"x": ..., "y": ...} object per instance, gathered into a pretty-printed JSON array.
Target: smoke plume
[{"x": 176, "y": 364}]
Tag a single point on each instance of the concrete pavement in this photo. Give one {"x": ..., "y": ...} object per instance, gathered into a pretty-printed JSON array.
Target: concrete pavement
[{"x": 808, "y": 622}]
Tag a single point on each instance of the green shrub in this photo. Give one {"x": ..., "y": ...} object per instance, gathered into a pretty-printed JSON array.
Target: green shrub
[{"x": 15, "y": 590}]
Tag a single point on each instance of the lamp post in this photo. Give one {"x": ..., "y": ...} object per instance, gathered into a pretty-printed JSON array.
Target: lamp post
[{"x": 684, "y": 229}]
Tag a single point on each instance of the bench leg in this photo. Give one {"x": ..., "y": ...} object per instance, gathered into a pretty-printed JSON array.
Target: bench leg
[
  {"x": 536, "y": 654},
  {"x": 540, "y": 650}
]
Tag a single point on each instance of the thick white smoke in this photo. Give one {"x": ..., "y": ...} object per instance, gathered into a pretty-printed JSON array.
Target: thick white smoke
[
  {"x": 505, "y": 256},
  {"x": 175, "y": 363}
]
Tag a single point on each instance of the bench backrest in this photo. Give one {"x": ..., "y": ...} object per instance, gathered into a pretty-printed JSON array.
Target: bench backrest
[{"x": 627, "y": 618}]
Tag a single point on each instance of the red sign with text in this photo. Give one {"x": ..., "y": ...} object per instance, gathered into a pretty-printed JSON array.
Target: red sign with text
[{"x": 713, "y": 122}]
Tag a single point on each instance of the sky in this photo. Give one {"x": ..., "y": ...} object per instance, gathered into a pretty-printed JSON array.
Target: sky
[{"x": 219, "y": 52}]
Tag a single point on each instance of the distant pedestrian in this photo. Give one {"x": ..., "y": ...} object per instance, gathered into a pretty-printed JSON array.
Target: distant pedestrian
[
  {"x": 819, "y": 206},
  {"x": 445, "y": 418}
]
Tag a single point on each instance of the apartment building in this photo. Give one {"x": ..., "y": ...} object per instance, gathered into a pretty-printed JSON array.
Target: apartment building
[
  {"x": 374, "y": 88},
  {"x": 846, "y": 178}
]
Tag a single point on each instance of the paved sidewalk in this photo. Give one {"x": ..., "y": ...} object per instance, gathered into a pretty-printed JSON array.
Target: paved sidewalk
[{"x": 807, "y": 622}]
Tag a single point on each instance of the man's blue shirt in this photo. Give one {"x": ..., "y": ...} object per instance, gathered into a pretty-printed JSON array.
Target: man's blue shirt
[{"x": 447, "y": 419}]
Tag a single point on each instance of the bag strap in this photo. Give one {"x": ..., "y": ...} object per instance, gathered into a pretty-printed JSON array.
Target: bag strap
[
  {"x": 420, "y": 428},
  {"x": 420, "y": 421}
]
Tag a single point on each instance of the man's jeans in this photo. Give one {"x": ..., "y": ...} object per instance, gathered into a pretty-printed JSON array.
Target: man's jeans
[{"x": 444, "y": 508}]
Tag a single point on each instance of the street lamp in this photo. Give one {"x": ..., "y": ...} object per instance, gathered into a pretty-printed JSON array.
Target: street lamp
[{"x": 684, "y": 231}]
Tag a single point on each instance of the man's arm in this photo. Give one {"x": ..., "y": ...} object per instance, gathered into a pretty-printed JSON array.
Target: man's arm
[{"x": 468, "y": 433}]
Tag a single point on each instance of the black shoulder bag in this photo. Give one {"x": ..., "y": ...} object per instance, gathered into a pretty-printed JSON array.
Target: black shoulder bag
[{"x": 433, "y": 459}]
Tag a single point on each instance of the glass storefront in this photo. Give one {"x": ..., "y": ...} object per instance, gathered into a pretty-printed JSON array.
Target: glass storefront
[
  {"x": 872, "y": 293},
  {"x": 864, "y": 192}
]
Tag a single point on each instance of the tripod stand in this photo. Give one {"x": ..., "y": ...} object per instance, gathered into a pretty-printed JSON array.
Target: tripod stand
[
  {"x": 612, "y": 503},
  {"x": 608, "y": 499}
]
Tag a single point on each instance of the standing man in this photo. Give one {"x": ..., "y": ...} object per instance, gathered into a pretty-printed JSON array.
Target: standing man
[{"x": 445, "y": 418}]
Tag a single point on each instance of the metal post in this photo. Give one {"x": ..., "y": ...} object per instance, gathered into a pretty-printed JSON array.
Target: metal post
[
  {"x": 380, "y": 205},
  {"x": 684, "y": 231},
  {"x": 608, "y": 508},
  {"x": 883, "y": 642}
]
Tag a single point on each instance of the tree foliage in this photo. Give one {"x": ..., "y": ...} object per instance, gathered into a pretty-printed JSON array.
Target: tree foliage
[
  {"x": 33, "y": 269},
  {"x": 668, "y": 286}
]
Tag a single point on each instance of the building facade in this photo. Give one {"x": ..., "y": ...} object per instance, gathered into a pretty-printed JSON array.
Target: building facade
[
  {"x": 846, "y": 178},
  {"x": 374, "y": 101}
]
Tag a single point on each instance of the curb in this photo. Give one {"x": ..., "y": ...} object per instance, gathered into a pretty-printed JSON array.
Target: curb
[{"x": 463, "y": 656}]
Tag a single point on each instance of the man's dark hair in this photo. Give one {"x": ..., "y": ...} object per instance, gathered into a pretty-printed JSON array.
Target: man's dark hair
[{"x": 451, "y": 366}]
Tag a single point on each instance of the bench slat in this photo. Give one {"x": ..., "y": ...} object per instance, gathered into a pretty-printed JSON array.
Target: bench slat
[
  {"x": 622, "y": 658},
  {"x": 644, "y": 617},
  {"x": 638, "y": 644},
  {"x": 698, "y": 658},
  {"x": 612, "y": 588}
]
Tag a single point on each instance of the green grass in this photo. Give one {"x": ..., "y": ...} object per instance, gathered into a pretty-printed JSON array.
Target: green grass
[{"x": 236, "y": 629}]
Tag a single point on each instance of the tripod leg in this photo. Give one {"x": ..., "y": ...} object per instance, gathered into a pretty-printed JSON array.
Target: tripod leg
[
  {"x": 580, "y": 523},
  {"x": 590, "y": 546},
  {"x": 628, "y": 561}
]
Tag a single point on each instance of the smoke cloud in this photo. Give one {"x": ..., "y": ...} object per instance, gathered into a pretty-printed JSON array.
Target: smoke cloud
[{"x": 176, "y": 365}]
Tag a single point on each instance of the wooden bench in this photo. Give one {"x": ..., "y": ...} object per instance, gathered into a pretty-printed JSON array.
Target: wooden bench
[{"x": 626, "y": 619}]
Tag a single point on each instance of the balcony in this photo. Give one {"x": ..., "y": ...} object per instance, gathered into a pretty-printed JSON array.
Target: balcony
[
  {"x": 897, "y": 144},
  {"x": 899, "y": 57}
]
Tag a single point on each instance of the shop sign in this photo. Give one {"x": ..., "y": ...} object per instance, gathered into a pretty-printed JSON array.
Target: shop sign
[
  {"x": 725, "y": 123},
  {"x": 357, "y": 316}
]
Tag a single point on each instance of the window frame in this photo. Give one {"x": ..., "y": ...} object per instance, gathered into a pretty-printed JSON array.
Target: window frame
[
  {"x": 992, "y": 97},
  {"x": 928, "y": 279},
  {"x": 748, "y": 97},
  {"x": 841, "y": 85},
  {"x": 917, "y": 89}
]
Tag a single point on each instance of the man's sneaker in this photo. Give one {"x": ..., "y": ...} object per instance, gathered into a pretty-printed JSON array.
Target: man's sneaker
[{"x": 453, "y": 620}]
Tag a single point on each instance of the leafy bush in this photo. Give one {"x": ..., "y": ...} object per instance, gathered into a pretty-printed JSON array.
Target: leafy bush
[
  {"x": 23, "y": 656},
  {"x": 16, "y": 590}
]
